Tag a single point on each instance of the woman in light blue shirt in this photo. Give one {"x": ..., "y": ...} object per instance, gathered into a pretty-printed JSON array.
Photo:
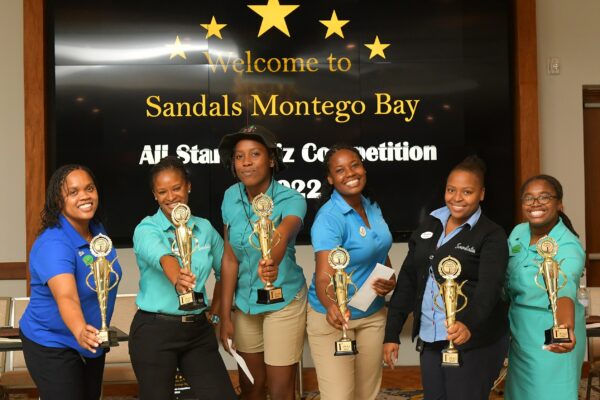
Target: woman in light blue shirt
[
  {"x": 163, "y": 337},
  {"x": 352, "y": 221},
  {"x": 269, "y": 337}
]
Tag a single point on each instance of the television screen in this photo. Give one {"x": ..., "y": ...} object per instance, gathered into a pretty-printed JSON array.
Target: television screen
[{"x": 415, "y": 85}]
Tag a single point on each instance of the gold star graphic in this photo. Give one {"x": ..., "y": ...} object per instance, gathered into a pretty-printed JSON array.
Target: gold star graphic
[
  {"x": 176, "y": 49},
  {"x": 273, "y": 15},
  {"x": 213, "y": 29},
  {"x": 334, "y": 25},
  {"x": 377, "y": 48}
]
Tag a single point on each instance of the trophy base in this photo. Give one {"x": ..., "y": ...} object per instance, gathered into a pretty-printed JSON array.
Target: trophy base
[
  {"x": 191, "y": 301},
  {"x": 108, "y": 338},
  {"x": 451, "y": 358},
  {"x": 345, "y": 347},
  {"x": 270, "y": 296},
  {"x": 557, "y": 335}
]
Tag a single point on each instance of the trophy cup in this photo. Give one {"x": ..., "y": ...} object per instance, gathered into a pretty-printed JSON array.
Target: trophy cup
[
  {"x": 264, "y": 231},
  {"x": 183, "y": 246},
  {"x": 338, "y": 260},
  {"x": 101, "y": 269},
  {"x": 550, "y": 270},
  {"x": 449, "y": 268}
]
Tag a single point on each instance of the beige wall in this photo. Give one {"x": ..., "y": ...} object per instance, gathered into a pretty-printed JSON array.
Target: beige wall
[
  {"x": 12, "y": 152},
  {"x": 12, "y": 160},
  {"x": 569, "y": 30}
]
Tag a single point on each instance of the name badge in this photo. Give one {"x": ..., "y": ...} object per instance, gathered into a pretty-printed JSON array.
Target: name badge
[{"x": 426, "y": 235}]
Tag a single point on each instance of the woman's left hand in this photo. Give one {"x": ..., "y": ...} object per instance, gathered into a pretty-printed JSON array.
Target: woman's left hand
[
  {"x": 268, "y": 270},
  {"x": 563, "y": 347},
  {"x": 458, "y": 333},
  {"x": 384, "y": 286}
]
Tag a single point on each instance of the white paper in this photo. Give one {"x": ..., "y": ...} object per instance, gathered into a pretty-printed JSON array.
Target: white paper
[
  {"x": 593, "y": 325},
  {"x": 240, "y": 361},
  {"x": 365, "y": 295}
]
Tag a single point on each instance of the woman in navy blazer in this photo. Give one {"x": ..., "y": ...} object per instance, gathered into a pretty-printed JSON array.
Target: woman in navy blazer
[{"x": 480, "y": 333}]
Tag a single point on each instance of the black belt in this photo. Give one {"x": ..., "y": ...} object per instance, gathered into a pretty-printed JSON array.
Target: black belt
[{"x": 178, "y": 318}]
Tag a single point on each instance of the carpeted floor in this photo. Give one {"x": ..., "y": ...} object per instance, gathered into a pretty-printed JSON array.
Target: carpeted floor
[{"x": 385, "y": 394}]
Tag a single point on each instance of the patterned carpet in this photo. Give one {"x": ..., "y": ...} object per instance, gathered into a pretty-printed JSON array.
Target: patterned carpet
[{"x": 385, "y": 394}]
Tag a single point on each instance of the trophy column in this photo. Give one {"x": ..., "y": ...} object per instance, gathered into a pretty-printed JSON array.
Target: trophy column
[
  {"x": 184, "y": 246},
  {"x": 339, "y": 260},
  {"x": 450, "y": 268},
  {"x": 550, "y": 270},
  {"x": 101, "y": 269},
  {"x": 264, "y": 231}
]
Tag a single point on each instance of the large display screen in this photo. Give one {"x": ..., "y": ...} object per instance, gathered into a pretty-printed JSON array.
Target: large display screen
[{"x": 415, "y": 85}]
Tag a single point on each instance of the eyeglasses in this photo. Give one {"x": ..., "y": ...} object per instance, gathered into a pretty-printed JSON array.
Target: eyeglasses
[{"x": 542, "y": 199}]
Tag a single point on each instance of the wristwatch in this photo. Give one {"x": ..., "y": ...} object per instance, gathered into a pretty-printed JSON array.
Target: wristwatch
[{"x": 214, "y": 319}]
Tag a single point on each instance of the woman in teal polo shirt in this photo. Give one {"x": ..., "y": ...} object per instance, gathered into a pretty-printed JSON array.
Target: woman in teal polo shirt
[
  {"x": 352, "y": 221},
  {"x": 269, "y": 337},
  {"x": 163, "y": 337},
  {"x": 536, "y": 371},
  {"x": 60, "y": 324}
]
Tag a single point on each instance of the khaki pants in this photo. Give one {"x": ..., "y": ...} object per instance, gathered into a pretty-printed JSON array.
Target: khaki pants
[
  {"x": 279, "y": 334},
  {"x": 347, "y": 377}
]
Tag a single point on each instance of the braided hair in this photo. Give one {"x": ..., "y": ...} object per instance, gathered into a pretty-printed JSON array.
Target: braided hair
[
  {"x": 55, "y": 202},
  {"x": 169, "y": 163},
  {"x": 327, "y": 188}
]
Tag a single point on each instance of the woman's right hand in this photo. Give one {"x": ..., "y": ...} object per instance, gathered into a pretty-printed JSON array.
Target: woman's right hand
[
  {"x": 88, "y": 338},
  {"x": 186, "y": 281},
  {"x": 226, "y": 333},
  {"x": 390, "y": 353},
  {"x": 335, "y": 317}
]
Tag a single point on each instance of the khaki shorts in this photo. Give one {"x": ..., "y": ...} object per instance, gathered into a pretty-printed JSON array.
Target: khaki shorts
[{"x": 279, "y": 334}]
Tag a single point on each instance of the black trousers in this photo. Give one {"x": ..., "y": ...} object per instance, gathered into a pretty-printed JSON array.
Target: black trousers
[
  {"x": 157, "y": 347},
  {"x": 472, "y": 381},
  {"x": 63, "y": 374}
]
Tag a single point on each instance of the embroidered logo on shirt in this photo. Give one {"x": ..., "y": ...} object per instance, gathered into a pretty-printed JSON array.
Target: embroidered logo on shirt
[
  {"x": 88, "y": 259},
  {"x": 426, "y": 235},
  {"x": 468, "y": 248},
  {"x": 516, "y": 248}
]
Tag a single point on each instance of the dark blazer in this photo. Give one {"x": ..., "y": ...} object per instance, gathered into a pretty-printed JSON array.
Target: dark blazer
[{"x": 483, "y": 253}]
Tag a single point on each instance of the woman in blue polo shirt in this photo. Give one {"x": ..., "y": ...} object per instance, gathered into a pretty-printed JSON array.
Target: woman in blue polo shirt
[
  {"x": 269, "y": 337},
  {"x": 60, "y": 325},
  {"x": 162, "y": 337},
  {"x": 537, "y": 371},
  {"x": 352, "y": 221}
]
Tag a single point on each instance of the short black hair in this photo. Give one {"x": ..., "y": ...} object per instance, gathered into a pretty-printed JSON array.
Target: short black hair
[
  {"x": 172, "y": 163},
  {"x": 474, "y": 165}
]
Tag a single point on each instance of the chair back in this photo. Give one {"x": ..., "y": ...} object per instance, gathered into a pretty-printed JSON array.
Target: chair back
[
  {"x": 594, "y": 309},
  {"x": 125, "y": 309},
  {"x": 5, "y": 303}
]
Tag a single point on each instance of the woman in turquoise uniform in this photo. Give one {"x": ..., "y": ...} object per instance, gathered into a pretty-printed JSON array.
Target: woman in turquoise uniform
[
  {"x": 536, "y": 371},
  {"x": 162, "y": 337},
  {"x": 269, "y": 337}
]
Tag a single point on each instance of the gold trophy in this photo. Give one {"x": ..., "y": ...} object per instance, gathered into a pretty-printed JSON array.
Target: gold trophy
[
  {"x": 264, "y": 231},
  {"x": 450, "y": 268},
  {"x": 338, "y": 260},
  {"x": 101, "y": 269},
  {"x": 550, "y": 270},
  {"x": 184, "y": 245}
]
